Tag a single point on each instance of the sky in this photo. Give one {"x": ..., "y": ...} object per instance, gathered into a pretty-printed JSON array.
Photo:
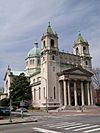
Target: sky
[{"x": 24, "y": 21}]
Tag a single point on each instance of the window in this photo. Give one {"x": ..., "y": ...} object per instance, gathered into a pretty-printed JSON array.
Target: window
[
  {"x": 54, "y": 92},
  {"x": 31, "y": 62},
  {"x": 44, "y": 44},
  {"x": 26, "y": 63},
  {"x": 52, "y": 43},
  {"x": 76, "y": 50},
  {"x": 39, "y": 93},
  {"x": 86, "y": 63},
  {"x": 53, "y": 68},
  {"x": 84, "y": 49},
  {"x": 38, "y": 61},
  {"x": 44, "y": 91},
  {"x": 53, "y": 57},
  {"x": 33, "y": 80},
  {"x": 34, "y": 94}
]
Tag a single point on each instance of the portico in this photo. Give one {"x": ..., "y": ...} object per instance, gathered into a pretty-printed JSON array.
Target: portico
[{"x": 75, "y": 88}]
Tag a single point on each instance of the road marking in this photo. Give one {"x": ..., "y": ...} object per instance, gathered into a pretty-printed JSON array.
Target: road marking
[
  {"x": 58, "y": 124},
  {"x": 44, "y": 130},
  {"x": 86, "y": 128},
  {"x": 77, "y": 126},
  {"x": 69, "y": 124},
  {"x": 92, "y": 130}
]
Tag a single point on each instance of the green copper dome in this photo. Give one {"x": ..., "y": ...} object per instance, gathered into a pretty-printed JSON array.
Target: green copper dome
[
  {"x": 35, "y": 51},
  {"x": 80, "y": 38}
]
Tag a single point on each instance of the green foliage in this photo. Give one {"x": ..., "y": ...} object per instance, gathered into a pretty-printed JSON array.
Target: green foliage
[
  {"x": 20, "y": 89},
  {"x": 4, "y": 102}
]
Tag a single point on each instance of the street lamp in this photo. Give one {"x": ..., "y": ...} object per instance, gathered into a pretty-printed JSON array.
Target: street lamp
[
  {"x": 10, "y": 119},
  {"x": 46, "y": 94}
]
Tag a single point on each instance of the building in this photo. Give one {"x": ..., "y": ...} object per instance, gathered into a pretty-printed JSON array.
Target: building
[{"x": 59, "y": 79}]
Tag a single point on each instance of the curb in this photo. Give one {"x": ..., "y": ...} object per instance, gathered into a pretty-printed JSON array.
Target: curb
[{"x": 8, "y": 123}]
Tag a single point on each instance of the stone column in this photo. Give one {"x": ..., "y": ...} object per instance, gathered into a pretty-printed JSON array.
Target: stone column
[
  {"x": 69, "y": 99},
  {"x": 65, "y": 96},
  {"x": 88, "y": 93},
  {"x": 82, "y": 92},
  {"x": 60, "y": 93},
  {"x": 75, "y": 93},
  {"x": 91, "y": 94}
]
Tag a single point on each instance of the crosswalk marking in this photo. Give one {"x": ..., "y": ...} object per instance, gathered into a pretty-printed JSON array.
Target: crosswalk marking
[
  {"x": 69, "y": 124},
  {"x": 77, "y": 126},
  {"x": 74, "y": 126},
  {"x": 92, "y": 130},
  {"x": 86, "y": 128},
  {"x": 44, "y": 130},
  {"x": 52, "y": 125}
]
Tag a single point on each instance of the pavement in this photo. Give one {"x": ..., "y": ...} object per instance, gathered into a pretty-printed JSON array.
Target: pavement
[{"x": 36, "y": 116}]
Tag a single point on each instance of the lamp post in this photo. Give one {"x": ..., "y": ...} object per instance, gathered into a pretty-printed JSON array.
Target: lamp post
[
  {"x": 46, "y": 94},
  {"x": 10, "y": 119}
]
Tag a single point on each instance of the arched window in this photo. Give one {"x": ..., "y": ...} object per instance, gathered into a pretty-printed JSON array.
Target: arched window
[
  {"x": 44, "y": 91},
  {"x": 26, "y": 63},
  {"x": 38, "y": 62},
  {"x": 34, "y": 94},
  {"x": 39, "y": 93},
  {"x": 54, "y": 92},
  {"x": 31, "y": 62},
  {"x": 52, "y": 42},
  {"x": 86, "y": 63},
  {"x": 44, "y": 44},
  {"x": 77, "y": 51},
  {"x": 53, "y": 57},
  {"x": 53, "y": 68},
  {"x": 84, "y": 49}
]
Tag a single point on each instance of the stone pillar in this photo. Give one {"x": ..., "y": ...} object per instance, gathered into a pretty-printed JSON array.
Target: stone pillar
[
  {"x": 69, "y": 98},
  {"x": 82, "y": 93},
  {"x": 60, "y": 93},
  {"x": 75, "y": 93},
  {"x": 65, "y": 96},
  {"x": 91, "y": 93},
  {"x": 88, "y": 93}
]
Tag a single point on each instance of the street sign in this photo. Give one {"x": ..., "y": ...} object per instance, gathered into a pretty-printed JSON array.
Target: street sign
[{"x": 22, "y": 103}]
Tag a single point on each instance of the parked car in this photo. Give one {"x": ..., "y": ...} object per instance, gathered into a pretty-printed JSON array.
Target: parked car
[
  {"x": 20, "y": 109},
  {"x": 4, "y": 111}
]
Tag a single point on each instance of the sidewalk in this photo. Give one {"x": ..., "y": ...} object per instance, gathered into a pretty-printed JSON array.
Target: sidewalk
[
  {"x": 17, "y": 120},
  {"x": 37, "y": 116}
]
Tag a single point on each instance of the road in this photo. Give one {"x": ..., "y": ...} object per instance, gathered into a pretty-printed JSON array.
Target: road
[{"x": 57, "y": 124}]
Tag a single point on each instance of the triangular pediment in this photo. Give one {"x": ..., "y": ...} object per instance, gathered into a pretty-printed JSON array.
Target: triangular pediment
[{"x": 76, "y": 71}]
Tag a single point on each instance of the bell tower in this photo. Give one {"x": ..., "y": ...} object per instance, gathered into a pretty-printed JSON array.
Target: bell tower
[
  {"x": 81, "y": 48},
  {"x": 49, "y": 63}
]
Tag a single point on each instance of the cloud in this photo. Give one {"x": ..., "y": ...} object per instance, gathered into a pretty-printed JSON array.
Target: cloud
[{"x": 23, "y": 21}]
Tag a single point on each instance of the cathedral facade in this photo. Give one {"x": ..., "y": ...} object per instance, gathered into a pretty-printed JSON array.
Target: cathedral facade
[{"x": 59, "y": 79}]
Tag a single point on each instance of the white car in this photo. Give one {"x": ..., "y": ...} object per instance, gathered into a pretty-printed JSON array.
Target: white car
[{"x": 20, "y": 109}]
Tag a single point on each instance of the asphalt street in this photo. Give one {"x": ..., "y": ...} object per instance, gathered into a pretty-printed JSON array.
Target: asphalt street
[{"x": 57, "y": 124}]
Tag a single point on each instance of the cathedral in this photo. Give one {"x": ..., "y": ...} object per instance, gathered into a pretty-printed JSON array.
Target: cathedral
[{"x": 58, "y": 79}]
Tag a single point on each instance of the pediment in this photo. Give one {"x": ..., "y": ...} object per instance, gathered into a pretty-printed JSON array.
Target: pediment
[{"x": 76, "y": 71}]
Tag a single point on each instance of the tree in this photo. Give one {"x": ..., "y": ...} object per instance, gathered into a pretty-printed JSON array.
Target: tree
[
  {"x": 20, "y": 89},
  {"x": 4, "y": 102},
  {"x": 96, "y": 78}
]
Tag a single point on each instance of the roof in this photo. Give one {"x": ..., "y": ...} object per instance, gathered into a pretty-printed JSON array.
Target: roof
[
  {"x": 49, "y": 29},
  {"x": 80, "y": 38},
  {"x": 76, "y": 70},
  {"x": 17, "y": 73},
  {"x": 35, "y": 51}
]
